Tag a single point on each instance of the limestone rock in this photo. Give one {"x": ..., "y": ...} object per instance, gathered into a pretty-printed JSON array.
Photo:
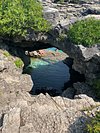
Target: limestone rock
[
  {"x": 11, "y": 122},
  {"x": 21, "y": 112},
  {"x": 11, "y": 80},
  {"x": 44, "y": 113},
  {"x": 3, "y": 64},
  {"x": 52, "y": 15},
  {"x": 86, "y": 60}
]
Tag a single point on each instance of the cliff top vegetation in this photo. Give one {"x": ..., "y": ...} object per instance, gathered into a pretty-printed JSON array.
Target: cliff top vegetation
[
  {"x": 85, "y": 32},
  {"x": 19, "y": 16}
]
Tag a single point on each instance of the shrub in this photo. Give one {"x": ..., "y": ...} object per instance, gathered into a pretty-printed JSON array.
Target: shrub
[
  {"x": 18, "y": 63},
  {"x": 94, "y": 125},
  {"x": 85, "y": 32},
  {"x": 18, "y": 16}
]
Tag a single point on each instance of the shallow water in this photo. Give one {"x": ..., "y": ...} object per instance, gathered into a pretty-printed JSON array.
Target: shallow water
[{"x": 49, "y": 73}]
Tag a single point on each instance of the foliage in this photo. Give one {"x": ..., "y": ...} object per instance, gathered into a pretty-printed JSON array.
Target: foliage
[
  {"x": 94, "y": 125},
  {"x": 18, "y": 63},
  {"x": 19, "y": 16},
  {"x": 85, "y": 32},
  {"x": 96, "y": 86},
  {"x": 6, "y": 53}
]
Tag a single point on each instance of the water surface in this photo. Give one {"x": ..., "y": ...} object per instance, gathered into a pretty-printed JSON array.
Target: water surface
[{"x": 49, "y": 73}]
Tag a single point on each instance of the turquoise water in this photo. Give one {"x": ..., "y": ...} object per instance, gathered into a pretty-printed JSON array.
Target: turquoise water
[
  {"x": 53, "y": 49},
  {"x": 49, "y": 73}
]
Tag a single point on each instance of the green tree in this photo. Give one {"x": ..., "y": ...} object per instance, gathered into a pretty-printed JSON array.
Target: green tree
[
  {"x": 18, "y": 16},
  {"x": 85, "y": 32}
]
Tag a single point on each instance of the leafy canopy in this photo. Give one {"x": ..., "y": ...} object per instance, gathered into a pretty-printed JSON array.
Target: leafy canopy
[
  {"x": 85, "y": 32},
  {"x": 18, "y": 16}
]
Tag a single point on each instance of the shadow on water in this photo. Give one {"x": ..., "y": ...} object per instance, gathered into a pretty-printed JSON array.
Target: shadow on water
[
  {"x": 48, "y": 77},
  {"x": 53, "y": 77}
]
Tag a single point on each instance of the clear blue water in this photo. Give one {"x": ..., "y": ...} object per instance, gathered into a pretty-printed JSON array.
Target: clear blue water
[
  {"x": 48, "y": 73},
  {"x": 53, "y": 49}
]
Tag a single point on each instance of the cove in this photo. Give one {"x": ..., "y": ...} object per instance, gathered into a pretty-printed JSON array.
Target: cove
[{"x": 49, "y": 73}]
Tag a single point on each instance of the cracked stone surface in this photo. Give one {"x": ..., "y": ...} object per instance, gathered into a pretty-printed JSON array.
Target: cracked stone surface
[{"x": 22, "y": 113}]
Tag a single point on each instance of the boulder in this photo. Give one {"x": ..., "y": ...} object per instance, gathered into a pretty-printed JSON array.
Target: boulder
[
  {"x": 21, "y": 112},
  {"x": 44, "y": 113},
  {"x": 11, "y": 121},
  {"x": 52, "y": 15}
]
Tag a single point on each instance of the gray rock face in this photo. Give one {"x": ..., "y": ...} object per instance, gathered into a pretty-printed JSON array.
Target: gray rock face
[
  {"x": 52, "y": 15},
  {"x": 21, "y": 112},
  {"x": 83, "y": 88},
  {"x": 68, "y": 13},
  {"x": 86, "y": 60},
  {"x": 69, "y": 93},
  {"x": 46, "y": 114},
  {"x": 3, "y": 64},
  {"x": 11, "y": 122},
  {"x": 11, "y": 79}
]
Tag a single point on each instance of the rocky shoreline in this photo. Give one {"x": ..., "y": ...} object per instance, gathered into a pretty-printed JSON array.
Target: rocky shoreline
[
  {"x": 67, "y": 113},
  {"x": 21, "y": 112}
]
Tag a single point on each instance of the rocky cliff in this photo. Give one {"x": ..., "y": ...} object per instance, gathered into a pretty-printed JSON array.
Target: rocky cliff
[
  {"x": 21, "y": 112},
  {"x": 86, "y": 60}
]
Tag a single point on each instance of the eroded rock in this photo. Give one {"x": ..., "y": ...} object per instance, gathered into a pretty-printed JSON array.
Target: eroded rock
[
  {"x": 11, "y": 122},
  {"x": 44, "y": 113},
  {"x": 21, "y": 112}
]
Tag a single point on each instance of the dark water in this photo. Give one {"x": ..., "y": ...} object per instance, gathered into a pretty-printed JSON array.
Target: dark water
[{"x": 47, "y": 73}]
